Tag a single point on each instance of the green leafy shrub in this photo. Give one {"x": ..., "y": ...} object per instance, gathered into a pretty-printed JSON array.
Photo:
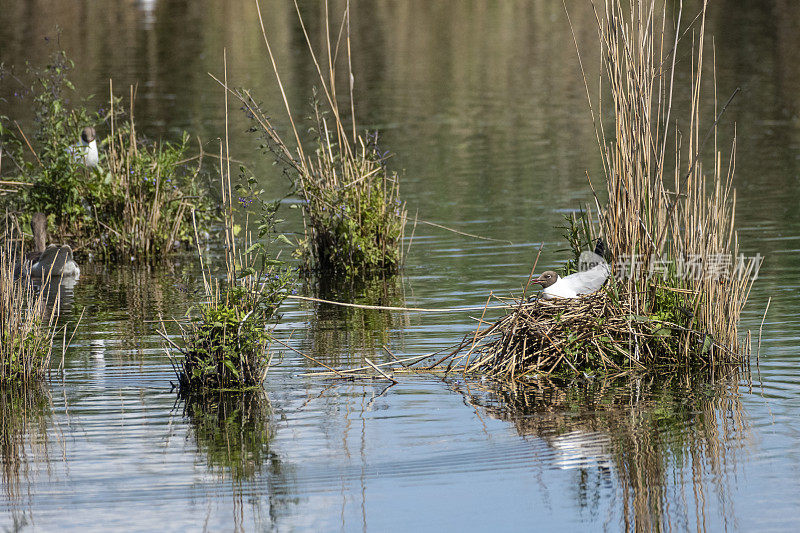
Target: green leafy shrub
[{"x": 137, "y": 202}]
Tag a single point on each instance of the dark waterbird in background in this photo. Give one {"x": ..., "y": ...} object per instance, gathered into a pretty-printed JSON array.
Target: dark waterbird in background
[{"x": 53, "y": 260}]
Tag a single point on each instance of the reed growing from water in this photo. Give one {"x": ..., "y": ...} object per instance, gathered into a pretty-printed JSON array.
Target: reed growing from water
[
  {"x": 354, "y": 219},
  {"x": 27, "y": 327}
]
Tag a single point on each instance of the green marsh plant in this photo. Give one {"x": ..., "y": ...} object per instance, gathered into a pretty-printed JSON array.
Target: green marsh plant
[
  {"x": 151, "y": 198},
  {"x": 226, "y": 342},
  {"x": 135, "y": 204}
]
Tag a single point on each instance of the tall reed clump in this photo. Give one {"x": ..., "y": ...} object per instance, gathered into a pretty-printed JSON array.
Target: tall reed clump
[
  {"x": 669, "y": 219},
  {"x": 27, "y": 327},
  {"x": 135, "y": 203},
  {"x": 353, "y": 216},
  {"x": 678, "y": 283},
  {"x": 227, "y": 338}
]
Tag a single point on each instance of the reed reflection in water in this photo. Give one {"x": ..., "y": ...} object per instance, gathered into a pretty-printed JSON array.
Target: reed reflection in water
[
  {"x": 665, "y": 445},
  {"x": 345, "y": 335},
  {"x": 233, "y": 432},
  {"x": 25, "y": 415}
]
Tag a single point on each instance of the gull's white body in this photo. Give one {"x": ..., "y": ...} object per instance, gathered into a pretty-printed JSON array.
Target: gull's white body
[
  {"x": 86, "y": 150},
  {"x": 583, "y": 282},
  {"x": 86, "y": 153}
]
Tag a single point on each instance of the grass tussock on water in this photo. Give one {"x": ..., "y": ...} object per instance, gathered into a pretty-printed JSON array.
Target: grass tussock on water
[
  {"x": 226, "y": 341},
  {"x": 354, "y": 219},
  {"x": 134, "y": 203},
  {"x": 27, "y": 327},
  {"x": 152, "y": 196},
  {"x": 678, "y": 282}
]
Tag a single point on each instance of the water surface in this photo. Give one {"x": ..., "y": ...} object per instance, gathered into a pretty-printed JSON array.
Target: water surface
[{"x": 485, "y": 109}]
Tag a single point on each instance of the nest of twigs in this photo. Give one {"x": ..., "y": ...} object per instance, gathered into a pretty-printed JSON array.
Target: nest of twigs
[{"x": 593, "y": 333}]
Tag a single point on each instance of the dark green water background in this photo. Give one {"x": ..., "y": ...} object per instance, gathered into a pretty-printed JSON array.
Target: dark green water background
[{"x": 484, "y": 106}]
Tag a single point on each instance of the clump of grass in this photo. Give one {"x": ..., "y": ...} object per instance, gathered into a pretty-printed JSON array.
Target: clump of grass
[
  {"x": 135, "y": 203},
  {"x": 152, "y": 196},
  {"x": 27, "y": 327},
  {"x": 226, "y": 341},
  {"x": 51, "y": 178},
  {"x": 353, "y": 216}
]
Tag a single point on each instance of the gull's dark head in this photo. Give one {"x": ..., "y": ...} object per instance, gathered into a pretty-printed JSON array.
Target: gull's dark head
[
  {"x": 87, "y": 135},
  {"x": 546, "y": 279}
]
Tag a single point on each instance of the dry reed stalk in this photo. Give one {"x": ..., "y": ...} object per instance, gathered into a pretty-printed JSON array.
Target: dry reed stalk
[
  {"x": 691, "y": 226},
  {"x": 354, "y": 220},
  {"x": 27, "y": 326}
]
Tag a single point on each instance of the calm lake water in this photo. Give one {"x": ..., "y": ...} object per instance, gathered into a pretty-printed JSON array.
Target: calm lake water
[{"x": 484, "y": 106}]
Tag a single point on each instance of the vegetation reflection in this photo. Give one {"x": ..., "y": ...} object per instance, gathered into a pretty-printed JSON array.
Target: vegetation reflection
[
  {"x": 648, "y": 434},
  {"x": 345, "y": 335},
  {"x": 25, "y": 414}
]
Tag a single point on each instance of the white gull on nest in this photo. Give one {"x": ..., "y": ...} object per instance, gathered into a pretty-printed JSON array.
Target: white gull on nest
[{"x": 594, "y": 272}]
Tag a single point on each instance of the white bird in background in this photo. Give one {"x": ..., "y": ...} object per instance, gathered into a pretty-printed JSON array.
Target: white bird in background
[
  {"x": 86, "y": 150},
  {"x": 594, "y": 272}
]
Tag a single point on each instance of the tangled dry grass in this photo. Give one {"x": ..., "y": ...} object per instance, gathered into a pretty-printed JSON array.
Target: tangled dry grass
[{"x": 599, "y": 331}]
